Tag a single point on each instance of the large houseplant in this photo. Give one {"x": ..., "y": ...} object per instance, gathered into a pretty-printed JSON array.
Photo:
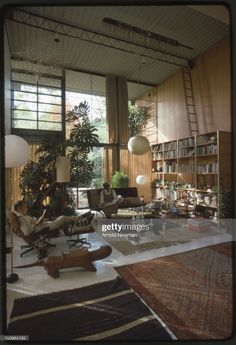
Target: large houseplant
[
  {"x": 119, "y": 180},
  {"x": 38, "y": 181}
]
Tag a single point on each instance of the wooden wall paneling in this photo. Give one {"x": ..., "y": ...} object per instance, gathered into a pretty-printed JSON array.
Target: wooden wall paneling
[
  {"x": 211, "y": 88},
  {"x": 172, "y": 116},
  {"x": 124, "y": 161},
  {"x": 211, "y": 79},
  {"x": 141, "y": 165}
]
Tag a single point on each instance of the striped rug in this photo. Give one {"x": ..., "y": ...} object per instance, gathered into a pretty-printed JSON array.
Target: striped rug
[{"x": 104, "y": 311}]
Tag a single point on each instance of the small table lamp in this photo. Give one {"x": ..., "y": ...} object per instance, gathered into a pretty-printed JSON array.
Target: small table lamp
[{"x": 16, "y": 155}]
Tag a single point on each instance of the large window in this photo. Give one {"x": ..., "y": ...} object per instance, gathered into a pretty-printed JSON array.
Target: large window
[
  {"x": 36, "y": 102},
  {"x": 97, "y": 110},
  {"x": 80, "y": 88}
]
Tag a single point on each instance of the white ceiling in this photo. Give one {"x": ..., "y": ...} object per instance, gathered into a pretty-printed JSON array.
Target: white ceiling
[{"x": 193, "y": 26}]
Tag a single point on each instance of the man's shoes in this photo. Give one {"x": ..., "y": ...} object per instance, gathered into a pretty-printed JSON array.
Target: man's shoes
[
  {"x": 85, "y": 220},
  {"x": 87, "y": 214},
  {"x": 90, "y": 218},
  {"x": 78, "y": 230}
]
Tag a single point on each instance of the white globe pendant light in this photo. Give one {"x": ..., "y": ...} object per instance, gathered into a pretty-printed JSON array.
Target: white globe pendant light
[
  {"x": 138, "y": 145},
  {"x": 141, "y": 179},
  {"x": 16, "y": 151}
]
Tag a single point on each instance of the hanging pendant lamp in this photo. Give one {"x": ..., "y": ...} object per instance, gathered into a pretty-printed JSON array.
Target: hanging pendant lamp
[
  {"x": 138, "y": 145},
  {"x": 141, "y": 179}
]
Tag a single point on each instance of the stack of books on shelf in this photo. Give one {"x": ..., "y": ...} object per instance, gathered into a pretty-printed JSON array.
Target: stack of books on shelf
[
  {"x": 210, "y": 168},
  {"x": 207, "y": 150},
  {"x": 186, "y": 152},
  {"x": 186, "y": 142},
  {"x": 170, "y": 145},
  {"x": 198, "y": 224},
  {"x": 205, "y": 139},
  {"x": 170, "y": 154}
]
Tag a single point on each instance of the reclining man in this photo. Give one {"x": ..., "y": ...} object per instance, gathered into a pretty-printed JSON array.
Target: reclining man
[{"x": 30, "y": 225}]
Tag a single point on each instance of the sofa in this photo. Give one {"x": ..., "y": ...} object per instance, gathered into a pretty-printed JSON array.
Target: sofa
[{"x": 129, "y": 195}]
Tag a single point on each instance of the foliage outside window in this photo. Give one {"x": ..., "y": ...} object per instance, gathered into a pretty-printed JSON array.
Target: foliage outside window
[
  {"x": 137, "y": 118},
  {"x": 97, "y": 110},
  {"x": 37, "y": 103},
  {"x": 97, "y": 118}
]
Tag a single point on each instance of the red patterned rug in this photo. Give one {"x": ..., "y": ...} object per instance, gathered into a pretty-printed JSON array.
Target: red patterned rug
[{"x": 191, "y": 292}]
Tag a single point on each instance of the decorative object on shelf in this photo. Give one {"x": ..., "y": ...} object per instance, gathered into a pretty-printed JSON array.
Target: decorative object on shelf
[
  {"x": 16, "y": 151},
  {"x": 119, "y": 180},
  {"x": 16, "y": 154},
  {"x": 63, "y": 169},
  {"x": 138, "y": 145},
  {"x": 141, "y": 179}
]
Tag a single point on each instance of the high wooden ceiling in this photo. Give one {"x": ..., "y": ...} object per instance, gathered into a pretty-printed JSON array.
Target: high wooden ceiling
[{"x": 77, "y": 38}]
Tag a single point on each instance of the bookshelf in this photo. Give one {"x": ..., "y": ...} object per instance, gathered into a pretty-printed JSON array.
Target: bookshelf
[{"x": 197, "y": 166}]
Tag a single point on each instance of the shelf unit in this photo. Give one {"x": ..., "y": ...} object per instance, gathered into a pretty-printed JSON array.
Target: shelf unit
[{"x": 197, "y": 166}]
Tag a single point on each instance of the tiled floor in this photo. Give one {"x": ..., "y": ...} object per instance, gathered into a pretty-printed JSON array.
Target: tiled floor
[{"x": 35, "y": 280}]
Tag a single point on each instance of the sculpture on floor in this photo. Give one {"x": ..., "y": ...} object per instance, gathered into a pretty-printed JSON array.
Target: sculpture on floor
[{"x": 78, "y": 258}]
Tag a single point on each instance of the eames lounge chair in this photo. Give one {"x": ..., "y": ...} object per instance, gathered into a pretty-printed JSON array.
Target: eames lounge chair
[
  {"x": 80, "y": 228},
  {"x": 35, "y": 241}
]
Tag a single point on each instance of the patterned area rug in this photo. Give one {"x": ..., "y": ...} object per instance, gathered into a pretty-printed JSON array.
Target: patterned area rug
[
  {"x": 191, "y": 292},
  {"x": 104, "y": 311}
]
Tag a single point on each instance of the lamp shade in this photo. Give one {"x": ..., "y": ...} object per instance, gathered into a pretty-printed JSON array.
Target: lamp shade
[
  {"x": 63, "y": 169},
  {"x": 16, "y": 151},
  {"x": 141, "y": 179},
  {"x": 138, "y": 145}
]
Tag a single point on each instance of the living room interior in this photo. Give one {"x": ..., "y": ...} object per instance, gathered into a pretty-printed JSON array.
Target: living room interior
[{"x": 138, "y": 97}]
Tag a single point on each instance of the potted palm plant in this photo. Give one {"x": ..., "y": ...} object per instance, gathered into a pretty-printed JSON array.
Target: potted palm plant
[{"x": 37, "y": 181}]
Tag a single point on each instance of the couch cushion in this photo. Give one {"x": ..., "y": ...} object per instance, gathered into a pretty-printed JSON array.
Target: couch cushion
[{"x": 132, "y": 201}]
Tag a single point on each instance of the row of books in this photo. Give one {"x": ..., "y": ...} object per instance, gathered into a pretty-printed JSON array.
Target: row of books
[
  {"x": 186, "y": 152},
  {"x": 207, "y": 150},
  {"x": 170, "y": 145},
  {"x": 158, "y": 147},
  {"x": 205, "y": 139},
  {"x": 170, "y": 154},
  {"x": 201, "y": 151},
  {"x": 209, "y": 168},
  {"x": 186, "y": 142}
]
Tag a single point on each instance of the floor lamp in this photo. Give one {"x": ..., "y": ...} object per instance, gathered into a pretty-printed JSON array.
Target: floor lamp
[
  {"x": 63, "y": 170},
  {"x": 16, "y": 155},
  {"x": 141, "y": 180}
]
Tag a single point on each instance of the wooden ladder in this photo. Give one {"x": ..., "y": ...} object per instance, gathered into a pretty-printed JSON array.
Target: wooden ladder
[{"x": 189, "y": 101}]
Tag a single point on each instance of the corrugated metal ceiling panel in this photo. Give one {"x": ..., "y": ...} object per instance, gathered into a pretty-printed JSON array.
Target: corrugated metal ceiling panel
[{"x": 182, "y": 23}]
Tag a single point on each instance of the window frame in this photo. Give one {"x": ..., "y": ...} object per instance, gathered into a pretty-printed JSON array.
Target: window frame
[{"x": 38, "y": 135}]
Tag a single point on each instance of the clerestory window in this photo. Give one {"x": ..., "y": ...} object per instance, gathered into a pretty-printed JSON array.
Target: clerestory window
[{"x": 36, "y": 102}]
